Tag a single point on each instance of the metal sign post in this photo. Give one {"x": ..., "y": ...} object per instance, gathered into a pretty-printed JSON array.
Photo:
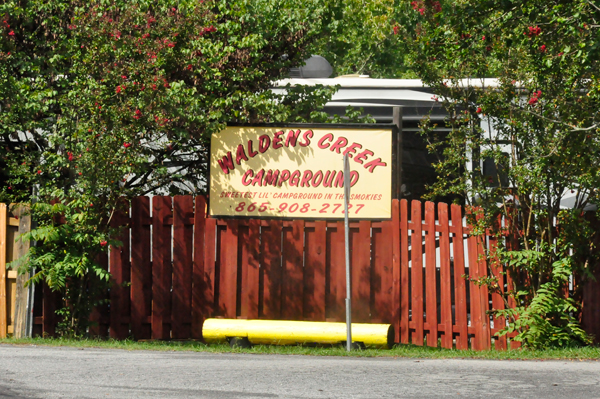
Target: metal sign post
[{"x": 347, "y": 237}]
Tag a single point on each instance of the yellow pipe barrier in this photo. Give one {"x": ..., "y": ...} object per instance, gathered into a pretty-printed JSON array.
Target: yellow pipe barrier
[{"x": 284, "y": 332}]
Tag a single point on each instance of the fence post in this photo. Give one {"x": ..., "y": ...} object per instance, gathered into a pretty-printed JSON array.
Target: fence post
[
  {"x": 22, "y": 293},
  {"x": 3, "y": 304}
]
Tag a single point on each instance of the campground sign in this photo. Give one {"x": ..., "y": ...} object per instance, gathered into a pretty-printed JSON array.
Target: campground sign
[{"x": 298, "y": 172}]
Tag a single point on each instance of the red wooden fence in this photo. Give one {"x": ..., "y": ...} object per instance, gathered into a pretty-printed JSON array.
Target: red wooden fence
[{"x": 177, "y": 267}]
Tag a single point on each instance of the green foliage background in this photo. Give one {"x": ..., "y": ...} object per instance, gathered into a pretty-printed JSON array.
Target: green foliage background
[
  {"x": 537, "y": 123},
  {"x": 102, "y": 100}
]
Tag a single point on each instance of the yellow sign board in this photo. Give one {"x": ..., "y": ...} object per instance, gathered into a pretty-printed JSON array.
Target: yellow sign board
[{"x": 298, "y": 172}]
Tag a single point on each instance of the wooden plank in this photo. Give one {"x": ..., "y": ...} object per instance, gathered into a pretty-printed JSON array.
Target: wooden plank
[
  {"x": 251, "y": 270},
  {"x": 3, "y": 297},
  {"x": 460, "y": 288},
  {"x": 271, "y": 261},
  {"x": 387, "y": 270},
  {"x": 404, "y": 273},
  {"x": 21, "y": 292},
  {"x": 315, "y": 272},
  {"x": 336, "y": 296},
  {"x": 485, "y": 342},
  {"x": 445, "y": 277},
  {"x": 512, "y": 244},
  {"x": 430, "y": 275},
  {"x": 361, "y": 273},
  {"x": 293, "y": 272},
  {"x": 229, "y": 271},
  {"x": 210, "y": 272},
  {"x": 417, "y": 273},
  {"x": 244, "y": 249},
  {"x": 396, "y": 272},
  {"x": 161, "y": 268},
  {"x": 49, "y": 311},
  {"x": 181, "y": 313},
  {"x": 497, "y": 301},
  {"x": 475, "y": 308},
  {"x": 198, "y": 286},
  {"x": 120, "y": 275},
  {"x": 141, "y": 268},
  {"x": 100, "y": 313}
]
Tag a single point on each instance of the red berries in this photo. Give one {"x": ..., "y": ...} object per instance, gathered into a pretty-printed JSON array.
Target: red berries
[
  {"x": 103, "y": 243},
  {"x": 479, "y": 110},
  {"x": 535, "y": 97},
  {"x": 533, "y": 31},
  {"x": 11, "y": 33},
  {"x": 138, "y": 114},
  {"x": 126, "y": 145}
]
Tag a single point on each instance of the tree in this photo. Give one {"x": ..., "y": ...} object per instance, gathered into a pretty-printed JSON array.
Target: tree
[
  {"x": 362, "y": 39},
  {"x": 104, "y": 100},
  {"x": 532, "y": 139}
]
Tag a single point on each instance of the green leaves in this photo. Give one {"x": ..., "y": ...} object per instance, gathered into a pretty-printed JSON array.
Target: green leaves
[
  {"x": 104, "y": 100},
  {"x": 529, "y": 138}
]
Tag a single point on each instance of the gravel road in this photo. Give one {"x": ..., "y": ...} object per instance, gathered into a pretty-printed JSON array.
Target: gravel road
[{"x": 47, "y": 372}]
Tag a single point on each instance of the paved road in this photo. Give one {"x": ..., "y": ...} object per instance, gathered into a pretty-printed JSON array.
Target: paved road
[{"x": 44, "y": 372}]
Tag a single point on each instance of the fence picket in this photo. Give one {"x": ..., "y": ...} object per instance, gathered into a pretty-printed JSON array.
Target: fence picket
[
  {"x": 430, "y": 275},
  {"x": 181, "y": 320},
  {"x": 141, "y": 269},
  {"x": 445, "y": 277},
  {"x": 210, "y": 274},
  {"x": 293, "y": 271},
  {"x": 314, "y": 272},
  {"x": 497, "y": 302},
  {"x": 335, "y": 308},
  {"x": 396, "y": 272},
  {"x": 271, "y": 261},
  {"x": 229, "y": 271},
  {"x": 120, "y": 276},
  {"x": 416, "y": 274},
  {"x": 161, "y": 268},
  {"x": 361, "y": 272},
  {"x": 460, "y": 288},
  {"x": 198, "y": 286},
  {"x": 404, "y": 273}
]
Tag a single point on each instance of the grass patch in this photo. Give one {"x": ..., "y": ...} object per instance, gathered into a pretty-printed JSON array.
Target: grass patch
[{"x": 399, "y": 351}]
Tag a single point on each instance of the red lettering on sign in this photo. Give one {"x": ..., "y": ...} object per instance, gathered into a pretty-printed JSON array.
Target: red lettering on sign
[
  {"x": 271, "y": 177},
  {"x": 292, "y": 138},
  {"x": 363, "y": 156},
  {"x": 277, "y": 139},
  {"x": 251, "y": 152},
  {"x": 226, "y": 163},
  {"x": 374, "y": 163},
  {"x": 258, "y": 178},
  {"x": 240, "y": 155},
  {"x": 295, "y": 178},
  {"x": 317, "y": 179},
  {"x": 264, "y": 142},
  {"x": 339, "y": 144},
  {"x": 322, "y": 143},
  {"x": 285, "y": 175},
  {"x": 329, "y": 176},
  {"x": 245, "y": 179},
  {"x": 352, "y": 149},
  {"x": 307, "y": 136},
  {"x": 306, "y": 178}
]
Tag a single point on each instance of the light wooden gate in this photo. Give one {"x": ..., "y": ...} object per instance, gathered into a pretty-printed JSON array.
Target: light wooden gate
[{"x": 13, "y": 295}]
